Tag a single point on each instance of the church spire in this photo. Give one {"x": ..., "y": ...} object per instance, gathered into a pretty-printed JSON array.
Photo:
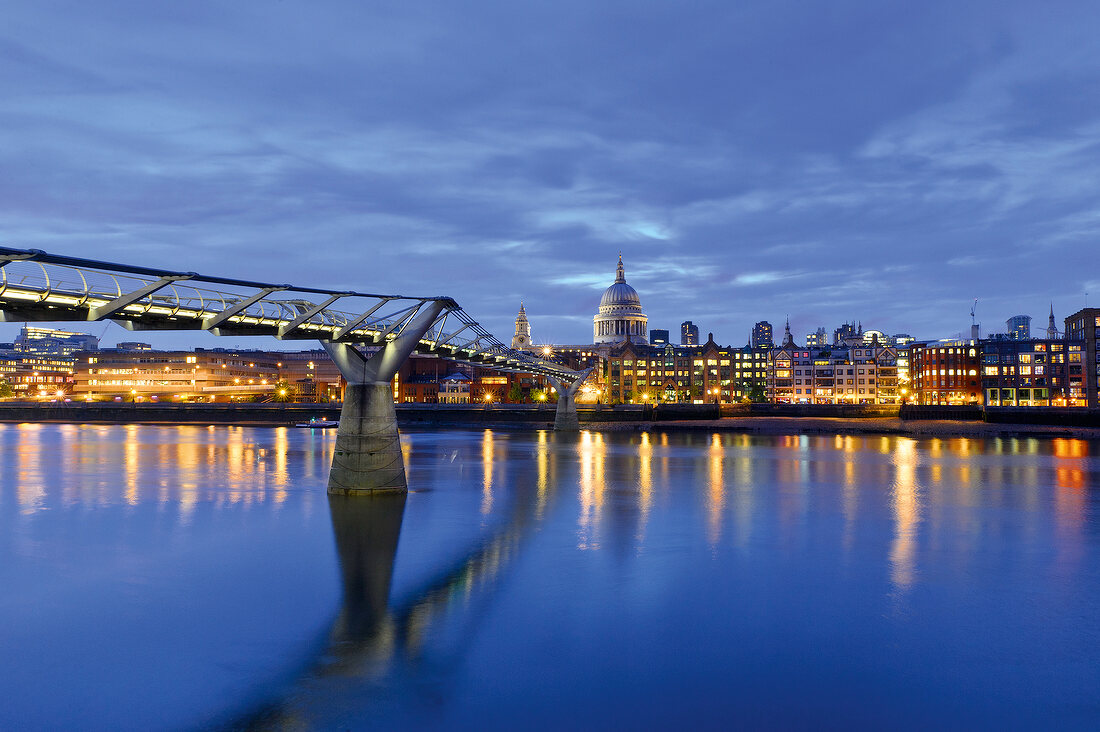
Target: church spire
[
  {"x": 620, "y": 276},
  {"x": 788, "y": 339}
]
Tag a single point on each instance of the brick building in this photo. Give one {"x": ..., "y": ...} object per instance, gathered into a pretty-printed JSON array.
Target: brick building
[
  {"x": 636, "y": 374},
  {"x": 945, "y": 372},
  {"x": 1084, "y": 326}
]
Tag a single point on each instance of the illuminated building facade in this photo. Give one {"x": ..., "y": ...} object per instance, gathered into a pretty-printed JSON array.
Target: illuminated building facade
[
  {"x": 1031, "y": 373},
  {"x": 762, "y": 335},
  {"x": 208, "y": 375},
  {"x": 1083, "y": 327},
  {"x": 689, "y": 334},
  {"x": 1019, "y": 327},
  {"x": 638, "y": 374},
  {"x": 52, "y": 342},
  {"x": 37, "y": 376},
  {"x": 945, "y": 372},
  {"x": 817, "y": 339},
  {"x": 864, "y": 374}
]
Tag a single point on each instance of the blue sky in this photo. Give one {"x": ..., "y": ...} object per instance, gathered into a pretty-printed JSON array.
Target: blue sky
[{"x": 881, "y": 161}]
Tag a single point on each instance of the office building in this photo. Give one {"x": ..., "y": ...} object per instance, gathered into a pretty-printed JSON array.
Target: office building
[
  {"x": 52, "y": 342},
  {"x": 1019, "y": 327},
  {"x": 762, "y": 335},
  {"x": 689, "y": 334},
  {"x": 658, "y": 337},
  {"x": 817, "y": 339}
]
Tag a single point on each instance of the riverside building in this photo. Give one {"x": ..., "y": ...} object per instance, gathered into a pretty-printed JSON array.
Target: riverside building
[
  {"x": 945, "y": 372},
  {"x": 639, "y": 374},
  {"x": 1031, "y": 373},
  {"x": 863, "y": 374},
  {"x": 1083, "y": 327}
]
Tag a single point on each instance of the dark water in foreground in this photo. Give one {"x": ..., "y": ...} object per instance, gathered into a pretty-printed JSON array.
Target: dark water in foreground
[{"x": 182, "y": 577}]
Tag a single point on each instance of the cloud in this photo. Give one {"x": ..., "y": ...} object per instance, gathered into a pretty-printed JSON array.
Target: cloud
[{"x": 881, "y": 161}]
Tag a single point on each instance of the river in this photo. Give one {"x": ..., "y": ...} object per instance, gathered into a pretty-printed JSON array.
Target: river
[{"x": 191, "y": 577}]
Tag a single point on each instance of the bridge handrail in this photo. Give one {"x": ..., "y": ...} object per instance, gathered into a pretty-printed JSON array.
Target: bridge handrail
[{"x": 97, "y": 289}]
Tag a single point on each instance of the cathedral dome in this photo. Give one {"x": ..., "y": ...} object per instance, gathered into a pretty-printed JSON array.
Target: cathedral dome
[
  {"x": 620, "y": 294},
  {"x": 620, "y": 317}
]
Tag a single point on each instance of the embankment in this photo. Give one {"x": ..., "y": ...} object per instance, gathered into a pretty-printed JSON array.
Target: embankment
[{"x": 760, "y": 418}]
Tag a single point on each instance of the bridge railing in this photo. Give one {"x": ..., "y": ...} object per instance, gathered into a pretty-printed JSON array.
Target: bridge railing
[{"x": 37, "y": 286}]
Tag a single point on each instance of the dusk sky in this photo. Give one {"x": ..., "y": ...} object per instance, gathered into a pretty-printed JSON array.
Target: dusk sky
[{"x": 880, "y": 161}]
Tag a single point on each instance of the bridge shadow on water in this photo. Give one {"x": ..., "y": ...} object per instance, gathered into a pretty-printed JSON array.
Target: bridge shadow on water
[{"x": 371, "y": 637}]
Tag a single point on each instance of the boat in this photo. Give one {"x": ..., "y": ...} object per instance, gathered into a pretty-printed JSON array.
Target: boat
[{"x": 318, "y": 423}]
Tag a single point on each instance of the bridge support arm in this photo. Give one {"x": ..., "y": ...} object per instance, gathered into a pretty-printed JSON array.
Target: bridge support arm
[
  {"x": 566, "y": 420},
  {"x": 124, "y": 301},
  {"x": 368, "y": 457}
]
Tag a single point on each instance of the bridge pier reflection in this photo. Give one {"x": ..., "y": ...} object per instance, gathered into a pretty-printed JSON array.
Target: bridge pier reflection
[
  {"x": 366, "y": 532},
  {"x": 370, "y": 634}
]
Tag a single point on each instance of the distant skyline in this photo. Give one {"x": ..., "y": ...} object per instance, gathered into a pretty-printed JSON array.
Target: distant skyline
[{"x": 879, "y": 161}]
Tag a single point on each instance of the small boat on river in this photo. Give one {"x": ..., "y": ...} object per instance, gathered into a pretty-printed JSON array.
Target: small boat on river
[{"x": 318, "y": 423}]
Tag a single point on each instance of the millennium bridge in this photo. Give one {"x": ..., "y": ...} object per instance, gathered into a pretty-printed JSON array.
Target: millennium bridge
[{"x": 367, "y": 335}]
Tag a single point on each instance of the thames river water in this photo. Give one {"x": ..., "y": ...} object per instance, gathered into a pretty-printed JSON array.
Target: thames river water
[{"x": 200, "y": 577}]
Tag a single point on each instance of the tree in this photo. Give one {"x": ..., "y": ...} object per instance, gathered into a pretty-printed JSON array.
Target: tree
[
  {"x": 515, "y": 394},
  {"x": 756, "y": 393},
  {"x": 753, "y": 391},
  {"x": 6, "y": 390}
]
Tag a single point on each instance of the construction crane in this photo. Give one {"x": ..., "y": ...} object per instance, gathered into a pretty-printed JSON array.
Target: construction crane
[{"x": 973, "y": 320}]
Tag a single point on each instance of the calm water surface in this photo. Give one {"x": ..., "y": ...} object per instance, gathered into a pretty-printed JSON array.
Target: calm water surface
[{"x": 193, "y": 577}]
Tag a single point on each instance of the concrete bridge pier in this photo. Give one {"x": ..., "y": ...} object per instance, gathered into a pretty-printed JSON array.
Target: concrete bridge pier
[
  {"x": 566, "y": 420},
  {"x": 368, "y": 458}
]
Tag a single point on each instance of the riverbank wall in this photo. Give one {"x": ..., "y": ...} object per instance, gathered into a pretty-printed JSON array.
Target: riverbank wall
[{"x": 637, "y": 416}]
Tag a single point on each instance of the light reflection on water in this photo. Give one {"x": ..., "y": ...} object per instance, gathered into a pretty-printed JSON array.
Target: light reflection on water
[{"x": 620, "y": 579}]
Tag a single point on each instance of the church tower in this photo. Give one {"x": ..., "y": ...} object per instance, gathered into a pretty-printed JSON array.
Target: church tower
[{"x": 521, "y": 341}]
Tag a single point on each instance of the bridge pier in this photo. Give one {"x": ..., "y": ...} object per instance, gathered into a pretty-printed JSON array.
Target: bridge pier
[
  {"x": 566, "y": 420},
  {"x": 368, "y": 458},
  {"x": 368, "y": 455}
]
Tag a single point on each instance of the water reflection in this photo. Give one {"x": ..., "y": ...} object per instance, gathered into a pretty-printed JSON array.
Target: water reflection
[
  {"x": 906, "y": 513},
  {"x": 178, "y": 467},
  {"x": 592, "y": 486},
  {"x": 716, "y": 490},
  {"x": 562, "y": 553}
]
